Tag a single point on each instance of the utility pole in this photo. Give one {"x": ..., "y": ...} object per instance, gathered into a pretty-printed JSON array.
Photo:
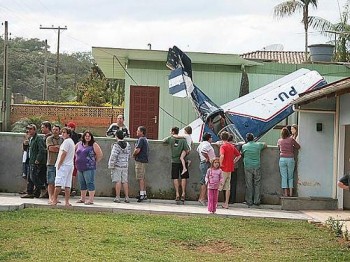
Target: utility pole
[
  {"x": 5, "y": 93},
  {"x": 45, "y": 74},
  {"x": 58, "y": 48}
]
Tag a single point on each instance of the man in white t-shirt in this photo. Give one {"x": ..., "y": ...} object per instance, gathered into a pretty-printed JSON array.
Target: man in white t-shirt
[
  {"x": 64, "y": 167},
  {"x": 206, "y": 154}
]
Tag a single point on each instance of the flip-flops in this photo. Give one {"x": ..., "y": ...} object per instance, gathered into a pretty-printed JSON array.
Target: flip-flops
[
  {"x": 89, "y": 203},
  {"x": 80, "y": 201}
]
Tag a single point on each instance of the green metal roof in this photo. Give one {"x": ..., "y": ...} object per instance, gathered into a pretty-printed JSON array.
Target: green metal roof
[{"x": 111, "y": 60}]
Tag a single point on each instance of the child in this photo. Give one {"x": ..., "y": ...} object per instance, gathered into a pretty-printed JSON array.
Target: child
[
  {"x": 187, "y": 136},
  {"x": 214, "y": 179},
  {"x": 118, "y": 163}
]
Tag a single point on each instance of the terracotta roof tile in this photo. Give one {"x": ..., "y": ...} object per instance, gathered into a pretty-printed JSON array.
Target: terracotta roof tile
[{"x": 283, "y": 57}]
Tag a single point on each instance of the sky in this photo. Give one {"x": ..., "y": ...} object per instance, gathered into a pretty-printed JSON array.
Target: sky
[{"x": 221, "y": 26}]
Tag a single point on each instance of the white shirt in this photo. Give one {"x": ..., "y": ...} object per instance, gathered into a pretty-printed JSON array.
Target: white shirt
[
  {"x": 205, "y": 147},
  {"x": 188, "y": 140},
  {"x": 69, "y": 147}
]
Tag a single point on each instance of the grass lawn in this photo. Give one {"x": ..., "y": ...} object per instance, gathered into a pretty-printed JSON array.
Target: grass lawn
[{"x": 65, "y": 235}]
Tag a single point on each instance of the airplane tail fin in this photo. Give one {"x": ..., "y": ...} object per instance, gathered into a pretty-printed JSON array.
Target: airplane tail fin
[
  {"x": 180, "y": 78},
  {"x": 180, "y": 84},
  {"x": 176, "y": 59}
]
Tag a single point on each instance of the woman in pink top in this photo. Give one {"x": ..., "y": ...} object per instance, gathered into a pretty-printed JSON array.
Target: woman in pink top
[
  {"x": 287, "y": 144},
  {"x": 214, "y": 179}
]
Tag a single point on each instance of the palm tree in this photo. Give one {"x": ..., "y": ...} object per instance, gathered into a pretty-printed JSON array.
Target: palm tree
[
  {"x": 341, "y": 28},
  {"x": 289, "y": 7}
]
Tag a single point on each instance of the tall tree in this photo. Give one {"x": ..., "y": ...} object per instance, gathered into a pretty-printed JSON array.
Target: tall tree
[
  {"x": 342, "y": 28},
  {"x": 26, "y": 70},
  {"x": 289, "y": 7}
]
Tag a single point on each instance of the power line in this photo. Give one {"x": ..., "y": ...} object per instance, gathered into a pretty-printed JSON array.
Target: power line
[
  {"x": 126, "y": 71},
  {"x": 58, "y": 47}
]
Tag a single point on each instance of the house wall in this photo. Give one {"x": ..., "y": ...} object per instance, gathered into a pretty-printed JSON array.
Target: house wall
[
  {"x": 221, "y": 83},
  {"x": 315, "y": 167},
  {"x": 344, "y": 116},
  {"x": 344, "y": 120},
  {"x": 158, "y": 181},
  {"x": 346, "y": 168}
]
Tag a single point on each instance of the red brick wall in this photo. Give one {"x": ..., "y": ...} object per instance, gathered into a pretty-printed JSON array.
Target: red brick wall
[{"x": 83, "y": 116}]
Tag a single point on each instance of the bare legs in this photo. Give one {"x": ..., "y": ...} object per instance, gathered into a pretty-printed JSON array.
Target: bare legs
[
  {"x": 287, "y": 192},
  {"x": 202, "y": 193},
  {"x": 66, "y": 196},
  {"x": 51, "y": 191},
  {"x": 227, "y": 197},
  {"x": 183, "y": 162},
  {"x": 183, "y": 187},
  {"x": 118, "y": 187}
]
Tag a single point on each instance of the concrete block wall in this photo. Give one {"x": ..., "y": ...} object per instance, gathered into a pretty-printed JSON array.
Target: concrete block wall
[{"x": 158, "y": 181}]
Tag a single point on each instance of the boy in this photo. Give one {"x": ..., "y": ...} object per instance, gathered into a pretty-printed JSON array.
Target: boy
[{"x": 118, "y": 163}]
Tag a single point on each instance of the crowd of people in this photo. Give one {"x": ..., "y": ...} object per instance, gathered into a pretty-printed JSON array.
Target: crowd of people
[{"x": 52, "y": 162}]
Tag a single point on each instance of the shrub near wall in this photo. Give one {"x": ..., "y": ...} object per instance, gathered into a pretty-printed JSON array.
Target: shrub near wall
[{"x": 94, "y": 118}]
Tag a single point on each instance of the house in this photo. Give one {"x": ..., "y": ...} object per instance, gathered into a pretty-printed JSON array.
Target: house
[
  {"x": 324, "y": 131},
  {"x": 147, "y": 101}
]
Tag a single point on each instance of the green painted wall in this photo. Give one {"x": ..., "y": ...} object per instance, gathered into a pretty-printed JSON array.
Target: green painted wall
[{"x": 221, "y": 83}]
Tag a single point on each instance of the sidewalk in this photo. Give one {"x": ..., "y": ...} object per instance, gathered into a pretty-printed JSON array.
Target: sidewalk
[{"x": 10, "y": 202}]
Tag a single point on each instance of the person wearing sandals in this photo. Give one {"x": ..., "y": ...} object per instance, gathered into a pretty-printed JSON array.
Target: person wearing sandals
[
  {"x": 87, "y": 154},
  {"x": 64, "y": 167},
  {"x": 177, "y": 146},
  {"x": 229, "y": 155},
  {"x": 118, "y": 163}
]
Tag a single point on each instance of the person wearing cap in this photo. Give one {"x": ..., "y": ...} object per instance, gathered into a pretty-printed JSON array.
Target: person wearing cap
[
  {"x": 37, "y": 162},
  {"x": 75, "y": 136},
  {"x": 206, "y": 154},
  {"x": 251, "y": 160},
  {"x": 118, "y": 126}
]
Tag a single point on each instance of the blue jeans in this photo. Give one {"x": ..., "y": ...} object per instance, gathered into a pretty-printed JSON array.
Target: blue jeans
[
  {"x": 87, "y": 180},
  {"x": 51, "y": 174},
  {"x": 287, "y": 165},
  {"x": 203, "y": 167},
  {"x": 253, "y": 185}
]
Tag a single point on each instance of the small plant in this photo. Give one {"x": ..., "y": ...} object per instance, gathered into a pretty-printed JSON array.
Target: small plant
[
  {"x": 346, "y": 234},
  {"x": 335, "y": 225}
]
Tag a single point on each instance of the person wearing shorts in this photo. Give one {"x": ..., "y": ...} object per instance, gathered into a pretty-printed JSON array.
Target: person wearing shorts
[
  {"x": 53, "y": 144},
  {"x": 228, "y": 156},
  {"x": 177, "y": 146},
  {"x": 64, "y": 167},
  {"x": 118, "y": 163},
  {"x": 141, "y": 159}
]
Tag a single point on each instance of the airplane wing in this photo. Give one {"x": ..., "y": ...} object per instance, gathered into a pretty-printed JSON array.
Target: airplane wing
[
  {"x": 256, "y": 112},
  {"x": 259, "y": 111}
]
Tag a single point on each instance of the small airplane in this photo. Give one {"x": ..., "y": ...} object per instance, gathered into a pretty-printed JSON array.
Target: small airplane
[{"x": 256, "y": 112}]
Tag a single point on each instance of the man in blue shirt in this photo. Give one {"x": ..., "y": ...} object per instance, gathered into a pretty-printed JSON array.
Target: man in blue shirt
[{"x": 141, "y": 159}]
